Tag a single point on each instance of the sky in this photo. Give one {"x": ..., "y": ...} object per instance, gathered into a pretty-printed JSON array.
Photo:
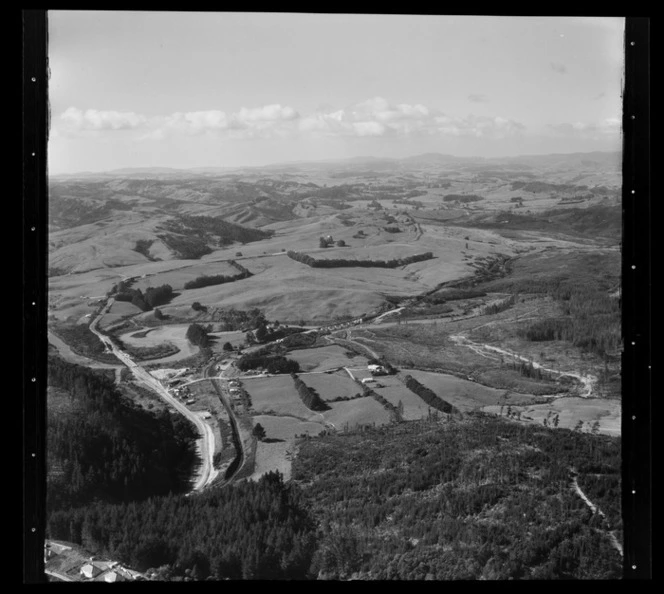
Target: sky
[{"x": 226, "y": 89}]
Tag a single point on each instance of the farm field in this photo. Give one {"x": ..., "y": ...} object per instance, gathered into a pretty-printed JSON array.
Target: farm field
[
  {"x": 119, "y": 310},
  {"x": 285, "y": 427},
  {"x": 332, "y": 385},
  {"x": 463, "y": 394},
  {"x": 177, "y": 278},
  {"x": 174, "y": 334},
  {"x": 325, "y": 358},
  {"x": 360, "y": 411},
  {"x": 276, "y": 395},
  {"x": 394, "y": 392}
]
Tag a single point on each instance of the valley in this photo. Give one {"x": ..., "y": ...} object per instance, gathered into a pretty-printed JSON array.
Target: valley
[{"x": 289, "y": 310}]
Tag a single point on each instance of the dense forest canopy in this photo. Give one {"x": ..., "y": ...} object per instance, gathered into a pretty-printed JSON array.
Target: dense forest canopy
[{"x": 102, "y": 446}]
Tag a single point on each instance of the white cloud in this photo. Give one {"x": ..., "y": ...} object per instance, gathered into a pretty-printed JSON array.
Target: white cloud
[
  {"x": 373, "y": 117},
  {"x": 92, "y": 119},
  {"x": 268, "y": 113},
  {"x": 595, "y": 130}
]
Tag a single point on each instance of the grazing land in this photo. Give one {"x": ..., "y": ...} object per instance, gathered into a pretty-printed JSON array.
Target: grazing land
[{"x": 299, "y": 302}]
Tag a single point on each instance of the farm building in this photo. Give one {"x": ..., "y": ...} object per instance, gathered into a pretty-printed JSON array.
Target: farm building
[
  {"x": 90, "y": 571},
  {"x": 114, "y": 576},
  {"x": 190, "y": 401},
  {"x": 368, "y": 380}
]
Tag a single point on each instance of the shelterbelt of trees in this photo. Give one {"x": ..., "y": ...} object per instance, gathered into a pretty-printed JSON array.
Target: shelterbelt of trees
[
  {"x": 219, "y": 279},
  {"x": 343, "y": 263},
  {"x": 102, "y": 446}
]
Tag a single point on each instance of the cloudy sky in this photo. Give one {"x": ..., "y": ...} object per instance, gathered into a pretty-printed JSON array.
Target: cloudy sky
[{"x": 177, "y": 89}]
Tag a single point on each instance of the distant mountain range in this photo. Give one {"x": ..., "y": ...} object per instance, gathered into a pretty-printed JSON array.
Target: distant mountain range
[{"x": 599, "y": 158}]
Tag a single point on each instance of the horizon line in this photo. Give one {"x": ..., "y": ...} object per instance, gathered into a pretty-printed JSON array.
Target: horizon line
[{"x": 329, "y": 160}]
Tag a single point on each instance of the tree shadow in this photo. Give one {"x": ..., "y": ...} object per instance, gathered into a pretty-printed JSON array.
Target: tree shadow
[{"x": 272, "y": 440}]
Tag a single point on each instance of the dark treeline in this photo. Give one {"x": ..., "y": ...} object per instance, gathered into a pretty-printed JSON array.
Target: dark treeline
[
  {"x": 253, "y": 530},
  {"x": 481, "y": 498},
  {"x": 309, "y": 396},
  {"x": 231, "y": 319},
  {"x": 270, "y": 362},
  {"x": 105, "y": 447},
  {"x": 429, "y": 396},
  {"x": 214, "y": 230},
  {"x": 186, "y": 247},
  {"x": 462, "y": 198},
  {"x": 394, "y": 411},
  {"x": 342, "y": 263},
  {"x": 85, "y": 342},
  {"x": 300, "y": 340},
  {"x": 218, "y": 279},
  {"x": 143, "y": 247},
  {"x": 198, "y": 335},
  {"x": 153, "y": 296}
]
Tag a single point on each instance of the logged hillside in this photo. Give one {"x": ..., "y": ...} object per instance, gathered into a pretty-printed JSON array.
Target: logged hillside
[{"x": 103, "y": 447}]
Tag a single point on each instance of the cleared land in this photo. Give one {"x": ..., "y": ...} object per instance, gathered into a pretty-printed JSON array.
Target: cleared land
[
  {"x": 178, "y": 278},
  {"x": 572, "y": 410},
  {"x": 286, "y": 428},
  {"x": 174, "y": 334},
  {"x": 332, "y": 385},
  {"x": 395, "y": 392},
  {"x": 361, "y": 411},
  {"x": 276, "y": 395},
  {"x": 325, "y": 358},
  {"x": 463, "y": 394}
]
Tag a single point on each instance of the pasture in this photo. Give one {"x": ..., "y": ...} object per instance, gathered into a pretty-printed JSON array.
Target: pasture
[
  {"x": 360, "y": 411},
  {"x": 463, "y": 394},
  {"x": 177, "y": 278},
  {"x": 394, "y": 392},
  {"x": 325, "y": 358},
  {"x": 286, "y": 428},
  {"x": 332, "y": 385},
  {"x": 276, "y": 395}
]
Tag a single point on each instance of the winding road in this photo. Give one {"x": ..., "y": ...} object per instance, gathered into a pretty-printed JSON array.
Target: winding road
[{"x": 205, "y": 443}]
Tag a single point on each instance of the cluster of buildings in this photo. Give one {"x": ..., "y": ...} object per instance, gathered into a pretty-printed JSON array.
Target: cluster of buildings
[{"x": 68, "y": 564}]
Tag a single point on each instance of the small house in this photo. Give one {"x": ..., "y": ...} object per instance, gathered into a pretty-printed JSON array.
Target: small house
[{"x": 368, "y": 380}]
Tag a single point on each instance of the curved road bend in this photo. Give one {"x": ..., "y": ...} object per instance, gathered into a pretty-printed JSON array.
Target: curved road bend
[{"x": 205, "y": 443}]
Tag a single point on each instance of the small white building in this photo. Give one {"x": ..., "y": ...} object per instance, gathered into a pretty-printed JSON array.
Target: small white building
[
  {"x": 368, "y": 380},
  {"x": 90, "y": 571},
  {"x": 114, "y": 576}
]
